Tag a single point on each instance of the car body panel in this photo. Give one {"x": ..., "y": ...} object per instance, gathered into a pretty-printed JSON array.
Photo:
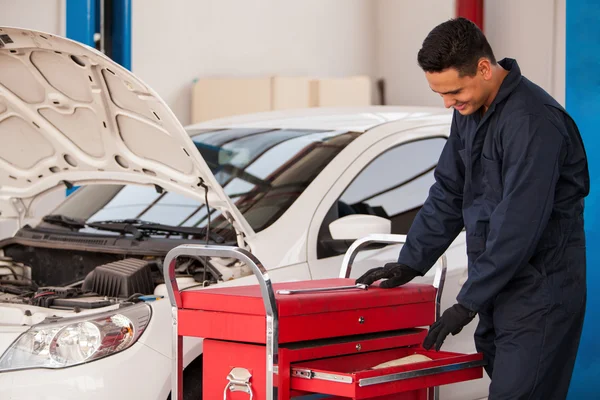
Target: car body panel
[{"x": 137, "y": 373}]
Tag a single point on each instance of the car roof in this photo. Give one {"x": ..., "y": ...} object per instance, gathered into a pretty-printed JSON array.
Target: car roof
[{"x": 357, "y": 119}]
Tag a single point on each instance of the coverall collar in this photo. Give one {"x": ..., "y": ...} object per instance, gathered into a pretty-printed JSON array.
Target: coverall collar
[
  {"x": 511, "y": 81},
  {"x": 509, "y": 84}
]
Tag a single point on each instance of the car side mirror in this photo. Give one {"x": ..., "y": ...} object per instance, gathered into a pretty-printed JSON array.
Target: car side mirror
[{"x": 356, "y": 226}]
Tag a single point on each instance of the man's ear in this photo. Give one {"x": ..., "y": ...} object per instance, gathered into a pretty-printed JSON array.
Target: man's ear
[{"x": 484, "y": 68}]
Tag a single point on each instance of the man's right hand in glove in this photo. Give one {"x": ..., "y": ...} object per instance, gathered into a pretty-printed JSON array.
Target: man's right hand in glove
[{"x": 394, "y": 274}]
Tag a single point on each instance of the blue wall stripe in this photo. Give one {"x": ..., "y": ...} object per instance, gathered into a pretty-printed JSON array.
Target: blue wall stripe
[
  {"x": 583, "y": 103},
  {"x": 121, "y": 35},
  {"x": 82, "y": 20}
]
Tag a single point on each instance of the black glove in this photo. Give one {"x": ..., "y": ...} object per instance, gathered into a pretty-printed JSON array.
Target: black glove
[
  {"x": 452, "y": 321},
  {"x": 394, "y": 273}
]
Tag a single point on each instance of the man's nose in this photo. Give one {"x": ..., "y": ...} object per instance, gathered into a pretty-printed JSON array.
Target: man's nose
[{"x": 448, "y": 101}]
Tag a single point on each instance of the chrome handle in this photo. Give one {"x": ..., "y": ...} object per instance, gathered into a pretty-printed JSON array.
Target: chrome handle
[
  {"x": 359, "y": 244},
  {"x": 266, "y": 289},
  {"x": 399, "y": 376},
  {"x": 325, "y": 289},
  {"x": 239, "y": 381}
]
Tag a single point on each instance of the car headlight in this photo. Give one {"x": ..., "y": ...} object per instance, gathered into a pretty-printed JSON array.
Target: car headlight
[{"x": 76, "y": 341}]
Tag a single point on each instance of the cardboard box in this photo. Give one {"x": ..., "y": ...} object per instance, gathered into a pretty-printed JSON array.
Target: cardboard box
[
  {"x": 222, "y": 97},
  {"x": 291, "y": 92},
  {"x": 339, "y": 92}
]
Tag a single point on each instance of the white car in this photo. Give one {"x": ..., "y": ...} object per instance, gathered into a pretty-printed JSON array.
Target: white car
[{"x": 81, "y": 313}]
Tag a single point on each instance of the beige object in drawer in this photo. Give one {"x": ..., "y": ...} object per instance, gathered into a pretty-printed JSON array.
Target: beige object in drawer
[{"x": 414, "y": 358}]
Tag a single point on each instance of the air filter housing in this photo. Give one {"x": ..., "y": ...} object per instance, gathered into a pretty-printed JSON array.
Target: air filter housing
[{"x": 121, "y": 278}]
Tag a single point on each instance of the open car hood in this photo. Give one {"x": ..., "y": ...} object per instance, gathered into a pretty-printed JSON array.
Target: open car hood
[{"x": 70, "y": 115}]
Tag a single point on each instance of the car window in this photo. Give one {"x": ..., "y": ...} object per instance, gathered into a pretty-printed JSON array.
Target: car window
[
  {"x": 275, "y": 177},
  {"x": 263, "y": 171},
  {"x": 128, "y": 202},
  {"x": 394, "y": 186}
]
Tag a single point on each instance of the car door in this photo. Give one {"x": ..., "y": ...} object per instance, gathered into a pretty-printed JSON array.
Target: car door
[{"x": 390, "y": 179}]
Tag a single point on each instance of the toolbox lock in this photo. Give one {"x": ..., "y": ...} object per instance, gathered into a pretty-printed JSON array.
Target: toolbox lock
[
  {"x": 361, "y": 320},
  {"x": 239, "y": 381}
]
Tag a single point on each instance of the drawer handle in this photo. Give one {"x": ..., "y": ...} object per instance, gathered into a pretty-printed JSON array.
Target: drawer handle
[
  {"x": 239, "y": 381},
  {"x": 419, "y": 373}
]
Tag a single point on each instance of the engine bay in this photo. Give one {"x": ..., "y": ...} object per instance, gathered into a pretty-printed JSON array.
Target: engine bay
[{"x": 82, "y": 280}]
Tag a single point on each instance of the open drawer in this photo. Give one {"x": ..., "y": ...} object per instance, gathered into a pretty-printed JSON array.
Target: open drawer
[{"x": 353, "y": 376}]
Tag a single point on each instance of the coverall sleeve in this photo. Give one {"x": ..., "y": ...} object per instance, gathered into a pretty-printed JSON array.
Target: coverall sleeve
[
  {"x": 530, "y": 162},
  {"x": 440, "y": 219}
]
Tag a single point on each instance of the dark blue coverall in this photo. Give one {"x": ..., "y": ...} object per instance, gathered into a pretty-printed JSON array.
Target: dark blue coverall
[{"x": 515, "y": 178}]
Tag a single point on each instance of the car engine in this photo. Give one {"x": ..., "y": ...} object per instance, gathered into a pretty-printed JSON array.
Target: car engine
[
  {"x": 77, "y": 281},
  {"x": 108, "y": 283}
]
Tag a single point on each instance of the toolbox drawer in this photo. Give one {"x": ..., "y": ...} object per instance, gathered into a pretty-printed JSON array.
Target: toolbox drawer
[{"x": 353, "y": 376}]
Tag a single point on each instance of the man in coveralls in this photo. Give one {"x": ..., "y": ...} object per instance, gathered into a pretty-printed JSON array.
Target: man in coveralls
[{"x": 514, "y": 174}]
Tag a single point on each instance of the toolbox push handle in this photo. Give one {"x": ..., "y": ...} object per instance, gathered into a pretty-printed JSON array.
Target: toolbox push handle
[
  {"x": 266, "y": 289},
  {"x": 438, "y": 280},
  {"x": 359, "y": 244}
]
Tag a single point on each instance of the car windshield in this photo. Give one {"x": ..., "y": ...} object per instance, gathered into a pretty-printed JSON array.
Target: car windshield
[{"x": 263, "y": 170}]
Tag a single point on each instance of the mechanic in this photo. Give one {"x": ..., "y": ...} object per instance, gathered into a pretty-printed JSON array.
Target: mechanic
[{"x": 514, "y": 174}]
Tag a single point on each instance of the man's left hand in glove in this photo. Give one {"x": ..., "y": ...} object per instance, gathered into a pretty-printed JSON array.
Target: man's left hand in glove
[
  {"x": 452, "y": 321},
  {"x": 395, "y": 274}
]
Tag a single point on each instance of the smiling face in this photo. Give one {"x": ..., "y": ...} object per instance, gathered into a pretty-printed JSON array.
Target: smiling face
[{"x": 466, "y": 94}]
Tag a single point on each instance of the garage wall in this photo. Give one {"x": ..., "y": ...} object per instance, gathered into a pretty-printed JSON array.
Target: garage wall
[
  {"x": 175, "y": 42},
  {"x": 401, "y": 26},
  {"x": 42, "y": 15},
  {"x": 535, "y": 38}
]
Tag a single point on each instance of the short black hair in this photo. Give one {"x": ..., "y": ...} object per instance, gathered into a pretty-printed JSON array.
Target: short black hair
[{"x": 457, "y": 43}]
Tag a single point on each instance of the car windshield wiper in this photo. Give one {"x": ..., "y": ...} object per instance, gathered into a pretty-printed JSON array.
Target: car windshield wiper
[
  {"x": 184, "y": 230},
  {"x": 139, "y": 228},
  {"x": 63, "y": 220},
  {"x": 136, "y": 227},
  {"x": 118, "y": 226},
  {"x": 236, "y": 172}
]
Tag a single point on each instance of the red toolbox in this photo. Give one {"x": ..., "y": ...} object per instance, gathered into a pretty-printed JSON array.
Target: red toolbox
[{"x": 325, "y": 336}]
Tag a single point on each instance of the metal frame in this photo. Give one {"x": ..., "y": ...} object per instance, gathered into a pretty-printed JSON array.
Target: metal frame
[
  {"x": 266, "y": 288},
  {"x": 438, "y": 280}
]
